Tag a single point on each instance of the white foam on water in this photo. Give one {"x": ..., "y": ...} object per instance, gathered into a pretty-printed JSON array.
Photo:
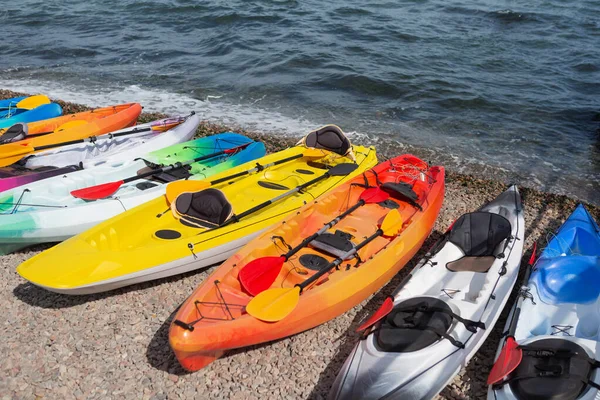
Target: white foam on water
[{"x": 210, "y": 109}]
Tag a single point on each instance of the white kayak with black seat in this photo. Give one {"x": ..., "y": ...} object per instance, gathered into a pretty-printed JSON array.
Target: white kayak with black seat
[
  {"x": 552, "y": 344},
  {"x": 442, "y": 312}
]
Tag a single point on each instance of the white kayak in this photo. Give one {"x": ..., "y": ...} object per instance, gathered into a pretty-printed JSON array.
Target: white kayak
[
  {"x": 443, "y": 311},
  {"x": 119, "y": 145},
  {"x": 552, "y": 344},
  {"x": 47, "y": 211}
]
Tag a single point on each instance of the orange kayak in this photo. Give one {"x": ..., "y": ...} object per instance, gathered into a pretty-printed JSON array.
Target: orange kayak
[
  {"x": 214, "y": 318},
  {"x": 80, "y": 125}
]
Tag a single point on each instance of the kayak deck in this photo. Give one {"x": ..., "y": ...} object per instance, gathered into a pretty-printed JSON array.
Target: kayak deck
[{"x": 216, "y": 310}]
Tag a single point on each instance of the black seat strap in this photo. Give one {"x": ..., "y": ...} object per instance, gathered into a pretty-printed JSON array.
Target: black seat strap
[
  {"x": 549, "y": 371},
  {"x": 470, "y": 325},
  {"x": 547, "y": 353}
]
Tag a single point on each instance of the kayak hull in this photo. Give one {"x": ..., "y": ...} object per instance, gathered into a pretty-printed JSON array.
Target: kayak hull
[
  {"x": 94, "y": 122},
  {"x": 335, "y": 294},
  {"x": 44, "y": 211},
  {"x": 373, "y": 372},
  {"x": 562, "y": 302},
  {"x": 108, "y": 148},
  {"x": 89, "y": 155},
  {"x": 126, "y": 249}
]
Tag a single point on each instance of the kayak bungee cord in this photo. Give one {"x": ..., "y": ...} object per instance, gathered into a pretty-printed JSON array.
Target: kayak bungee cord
[{"x": 501, "y": 273}]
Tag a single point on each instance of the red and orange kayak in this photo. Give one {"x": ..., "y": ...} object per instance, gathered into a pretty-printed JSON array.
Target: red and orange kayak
[
  {"x": 79, "y": 125},
  {"x": 214, "y": 318}
]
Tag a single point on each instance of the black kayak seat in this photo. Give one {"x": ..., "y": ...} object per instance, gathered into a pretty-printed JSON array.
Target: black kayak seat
[
  {"x": 206, "y": 208},
  {"x": 335, "y": 244},
  {"x": 479, "y": 235},
  {"x": 14, "y": 133},
  {"x": 406, "y": 329},
  {"x": 329, "y": 137},
  {"x": 552, "y": 369}
]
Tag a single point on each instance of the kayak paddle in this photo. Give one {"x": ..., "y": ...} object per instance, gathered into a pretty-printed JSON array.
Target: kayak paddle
[
  {"x": 511, "y": 355},
  {"x": 259, "y": 274},
  {"x": 338, "y": 170},
  {"x": 275, "y": 304},
  {"x": 29, "y": 103},
  {"x": 174, "y": 189},
  {"x": 10, "y": 153},
  {"x": 106, "y": 189}
]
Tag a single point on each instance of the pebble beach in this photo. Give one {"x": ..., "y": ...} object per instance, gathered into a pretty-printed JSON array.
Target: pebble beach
[{"x": 115, "y": 345}]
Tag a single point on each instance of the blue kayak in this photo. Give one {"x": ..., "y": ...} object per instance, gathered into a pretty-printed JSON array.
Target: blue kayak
[
  {"x": 558, "y": 326},
  {"x": 9, "y": 108},
  {"x": 10, "y": 114}
]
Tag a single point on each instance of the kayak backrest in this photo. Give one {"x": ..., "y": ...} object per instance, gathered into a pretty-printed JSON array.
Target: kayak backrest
[
  {"x": 329, "y": 137},
  {"x": 479, "y": 234},
  {"x": 568, "y": 279},
  {"x": 206, "y": 208}
]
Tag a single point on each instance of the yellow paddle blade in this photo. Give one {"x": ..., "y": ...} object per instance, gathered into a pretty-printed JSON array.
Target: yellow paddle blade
[
  {"x": 392, "y": 223},
  {"x": 174, "y": 189},
  {"x": 274, "y": 304},
  {"x": 11, "y": 153},
  {"x": 32, "y": 102}
]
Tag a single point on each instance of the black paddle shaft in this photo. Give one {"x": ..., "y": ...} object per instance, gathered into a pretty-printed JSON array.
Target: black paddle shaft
[
  {"x": 338, "y": 170},
  {"x": 339, "y": 260},
  {"x": 69, "y": 142},
  {"x": 258, "y": 168},
  {"x": 181, "y": 164},
  {"x": 312, "y": 237}
]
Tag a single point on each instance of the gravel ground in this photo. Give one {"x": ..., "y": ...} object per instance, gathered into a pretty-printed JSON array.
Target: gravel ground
[{"x": 115, "y": 345}]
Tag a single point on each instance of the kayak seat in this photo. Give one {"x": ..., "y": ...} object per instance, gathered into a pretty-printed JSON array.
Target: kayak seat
[
  {"x": 479, "y": 235},
  {"x": 172, "y": 175},
  {"x": 568, "y": 279},
  {"x": 14, "y": 133},
  {"x": 420, "y": 322},
  {"x": 473, "y": 264},
  {"x": 406, "y": 329},
  {"x": 335, "y": 244},
  {"x": 552, "y": 369},
  {"x": 402, "y": 191},
  {"x": 206, "y": 208},
  {"x": 329, "y": 137}
]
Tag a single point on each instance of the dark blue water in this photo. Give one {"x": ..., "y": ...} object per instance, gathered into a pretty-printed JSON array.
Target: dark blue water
[{"x": 499, "y": 88}]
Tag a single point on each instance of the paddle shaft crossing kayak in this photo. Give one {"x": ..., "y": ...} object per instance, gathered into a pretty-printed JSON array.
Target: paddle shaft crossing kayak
[
  {"x": 95, "y": 122},
  {"x": 443, "y": 311},
  {"x": 213, "y": 319},
  {"x": 148, "y": 242},
  {"x": 105, "y": 150},
  {"x": 557, "y": 323},
  {"x": 116, "y": 145},
  {"x": 45, "y": 211}
]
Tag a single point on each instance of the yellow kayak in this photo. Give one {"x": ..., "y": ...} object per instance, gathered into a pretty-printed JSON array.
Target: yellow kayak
[{"x": 166, "y": 236}]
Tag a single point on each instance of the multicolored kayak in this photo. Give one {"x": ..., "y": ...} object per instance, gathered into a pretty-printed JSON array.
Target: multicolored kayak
[
  {"x": 339, "y": 250},
  {"x": 154, "y": 241},
  {"x": 552, "y": 344},
  {"x": 443, "y": 311},
  {"x": 123, "y": 145},
  {"x": 27, "y": 109},
  {"x": 47, "y": 211},
  {"x": 68, "y": 127}
]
